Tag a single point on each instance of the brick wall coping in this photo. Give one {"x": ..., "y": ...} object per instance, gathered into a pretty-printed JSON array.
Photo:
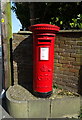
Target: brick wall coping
[
  {"x": 61, "y": 31},
  {"x": 70, "y": 31},
  {"x": 24, "y": 32}
]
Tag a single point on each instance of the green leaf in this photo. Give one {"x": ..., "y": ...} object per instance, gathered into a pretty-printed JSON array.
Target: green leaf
[{"x": 61, "y": 22}]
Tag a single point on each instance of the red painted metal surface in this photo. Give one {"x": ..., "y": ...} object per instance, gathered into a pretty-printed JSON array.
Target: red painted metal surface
[{"x": 43, "y": 63}]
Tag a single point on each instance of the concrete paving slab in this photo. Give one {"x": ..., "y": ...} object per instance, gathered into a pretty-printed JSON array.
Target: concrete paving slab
[
  {"x": 17, "y": 109},
  {"x": 63, "y": 119},
  {"x": 39, "y": 108},
  {"x": 65, "y": 107}
]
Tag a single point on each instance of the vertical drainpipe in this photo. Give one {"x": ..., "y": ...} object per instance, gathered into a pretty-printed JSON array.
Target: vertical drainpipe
[
  {"x": 32, "y": 13},
  {"x": 6, "y": 37}
]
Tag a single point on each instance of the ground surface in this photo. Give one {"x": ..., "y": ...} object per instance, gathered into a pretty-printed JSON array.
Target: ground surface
[
  {"x": 3, "y": 113},
  {"x": 0, "y": 76},
  {"x": 61, "y": 104},
  {"x": 19, "y": 93}
]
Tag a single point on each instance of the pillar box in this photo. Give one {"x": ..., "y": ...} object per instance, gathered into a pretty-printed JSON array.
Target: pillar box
[{"x": 43, "y": 58}]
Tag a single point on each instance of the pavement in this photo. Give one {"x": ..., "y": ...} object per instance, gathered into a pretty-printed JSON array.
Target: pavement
[
  {"x": 2, "y": 91},
  {"x": 58, "y": 106},
  {"x": 0, "y": 71},
  {"x": 3, "y": 113},
  {"x": 0, "y": 76}
]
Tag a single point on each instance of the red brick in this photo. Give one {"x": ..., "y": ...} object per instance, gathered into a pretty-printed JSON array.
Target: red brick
[
  {"x": 64, "y": 77},
  {"x": 76, "y": 47},
  {"x": 69, "y": 58},
  {"x": 73, "y": 79},
  {"x": 65, "y": 46},
  {"x": 78, "y": 59},
  {"x": 62, "y": 69},
  {"x": 75, "y": 55},
  {"x": 58, "y": 57},
  {"x": 70, "y": 50},
  {"x": 79, "y": 43},
  {"x": 59, "y": 50},
  {"x": 67, "y": 65},
  {"x": 57, "y": 71},
  {"x": 64, "y": 61},
  {"x": 76, "y": 63},
  {"x": 58, "y": 64},
  {"x": 68, "y": 73},
  {"x": 79, "y": 51},
  {"x": 61, "y": 43},
  {"x": 65, "y": 54},
  {"x": 71, "y": 42},
  {"x": 56, "y": 46},
  {"x": 76, "y": 67},
  {"x": 56, "y": 53},
  {"x": 57, "y": 42},
  {"x": 60, "y": 38},
  {"x": 76, "y": 74},
  {"x": 56, "y": 61},
  {"x": 73, "y": 70}
]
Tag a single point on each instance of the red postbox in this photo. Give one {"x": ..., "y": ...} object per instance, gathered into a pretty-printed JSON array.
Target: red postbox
[{"x": 43, "y": 54}]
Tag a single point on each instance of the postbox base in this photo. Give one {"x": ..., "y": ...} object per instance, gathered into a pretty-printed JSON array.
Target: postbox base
[{"x": 42, "y": 95}]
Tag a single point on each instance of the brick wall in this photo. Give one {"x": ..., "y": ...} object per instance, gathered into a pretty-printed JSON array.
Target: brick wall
[
  {"x": 68, "y": 60},
  {"x": 22, "y": 60},
  {"x": 67, "y": 63}
]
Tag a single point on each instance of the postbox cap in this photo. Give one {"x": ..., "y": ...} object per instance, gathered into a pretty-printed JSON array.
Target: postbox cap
[{"x": 44, "y": 27}]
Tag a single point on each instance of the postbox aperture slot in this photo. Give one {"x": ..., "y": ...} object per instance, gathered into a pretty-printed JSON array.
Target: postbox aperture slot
[{"x": 44, "y": 41}]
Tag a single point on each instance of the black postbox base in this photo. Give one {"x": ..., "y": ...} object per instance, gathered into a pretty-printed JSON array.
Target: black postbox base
[{"x": 42, "y": 95}]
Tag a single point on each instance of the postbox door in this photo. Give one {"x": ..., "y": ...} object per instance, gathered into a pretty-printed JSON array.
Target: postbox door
[{"x": 43, "y": 67}]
